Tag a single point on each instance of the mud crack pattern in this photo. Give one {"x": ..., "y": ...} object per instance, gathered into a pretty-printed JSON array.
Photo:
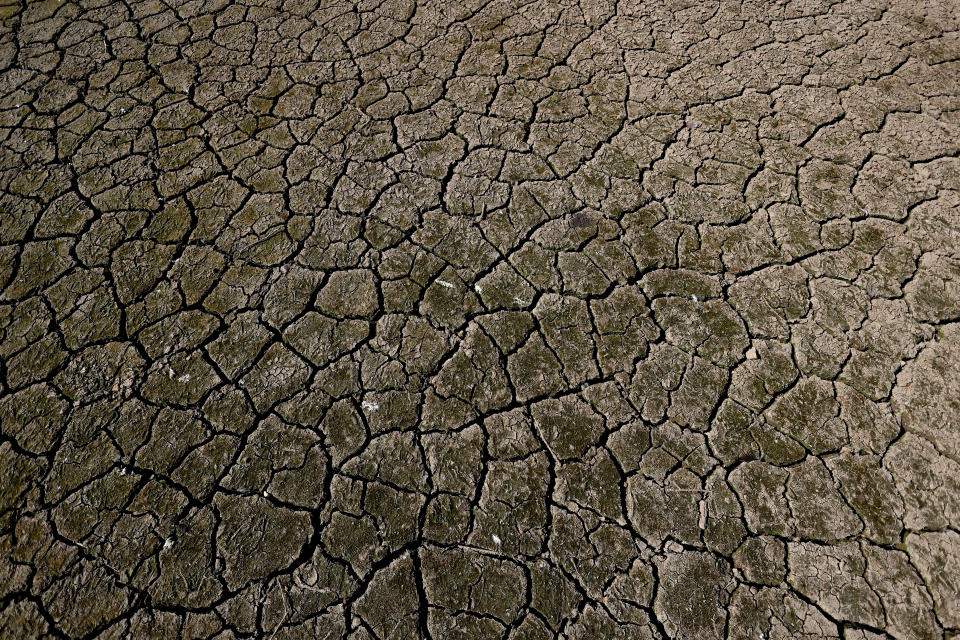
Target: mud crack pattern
[{"x": 520, "y": 319}]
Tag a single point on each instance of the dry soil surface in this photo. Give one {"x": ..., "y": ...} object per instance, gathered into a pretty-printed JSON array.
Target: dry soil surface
[{"x": 442, "y": 319}]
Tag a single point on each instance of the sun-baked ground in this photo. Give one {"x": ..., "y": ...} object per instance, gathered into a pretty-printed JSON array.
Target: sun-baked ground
[{"x": 430, "y": 319}]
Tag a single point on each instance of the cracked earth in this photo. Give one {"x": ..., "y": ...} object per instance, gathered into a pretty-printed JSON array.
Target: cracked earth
[{"x": 520, "y": 319}]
